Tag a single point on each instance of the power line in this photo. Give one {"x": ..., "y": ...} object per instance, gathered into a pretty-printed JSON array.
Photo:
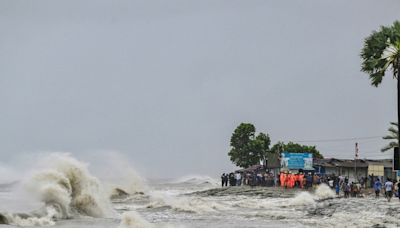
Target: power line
[{"x": 339, "y": 139}]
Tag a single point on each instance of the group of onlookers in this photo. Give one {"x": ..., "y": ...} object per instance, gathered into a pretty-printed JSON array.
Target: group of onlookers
[
  {"x": 234, "y": 179},
  {"x": 252, "y": 179},
  {"x": 389, "y": 188},
  {"x": 288, "y": 179}
]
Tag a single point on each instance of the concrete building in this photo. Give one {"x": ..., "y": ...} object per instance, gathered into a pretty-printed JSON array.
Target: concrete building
[{"x": 363, "y": 167}]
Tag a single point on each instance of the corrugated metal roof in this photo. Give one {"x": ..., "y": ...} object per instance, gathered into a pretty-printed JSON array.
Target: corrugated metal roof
[{"x": 334, "y": 162}]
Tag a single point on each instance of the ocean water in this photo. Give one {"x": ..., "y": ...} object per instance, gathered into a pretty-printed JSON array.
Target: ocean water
[{"x": 66, "y": 194}]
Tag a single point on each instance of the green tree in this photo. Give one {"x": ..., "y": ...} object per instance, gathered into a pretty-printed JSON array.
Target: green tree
[
  {"x": 261, "y": 145},
  {"x": 247, "y": 149},
  {"x": 278, "y": 147},
  {"x": 381, "y": 52},
  {"x": 296, "y": 148},
  {"x": 393, "y": 135}
]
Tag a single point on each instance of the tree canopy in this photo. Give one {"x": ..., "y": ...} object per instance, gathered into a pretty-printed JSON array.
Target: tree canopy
[
  {"x": 381, "y": 51},
  {"x": 295, "y": 148},
  {"x": 247, "y": 148}
]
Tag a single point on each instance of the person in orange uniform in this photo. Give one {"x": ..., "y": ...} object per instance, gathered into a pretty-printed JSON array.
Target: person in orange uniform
[
  {"x": 282, "y": 179},
  {"x": 293, "y": 181},
  {"x": 285, "y": 180},
  {"x": 296, "y": 179},
  {"x": 301, "y": 180},
  {"x": 289, "y": 180}
]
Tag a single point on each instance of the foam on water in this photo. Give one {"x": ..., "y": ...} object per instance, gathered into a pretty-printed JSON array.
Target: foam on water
[
  {"x": 303, "y": 199},
  {"x": 182, "y": 203},
  {"x": 66, "y": 183},
  {"x": 67, "y": 190},
  {"x": 132, "y": 219},
  {"x": 196, "y": 180},
  {"x": 323, "y": 191}
]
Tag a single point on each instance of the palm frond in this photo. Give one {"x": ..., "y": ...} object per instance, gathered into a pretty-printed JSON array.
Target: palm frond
[
  {"x": 393, "y": 131},
  {"x": 389, "y": 137},
  {"x": 391, "y": 145},
  {"x": 393, "y": 135}
]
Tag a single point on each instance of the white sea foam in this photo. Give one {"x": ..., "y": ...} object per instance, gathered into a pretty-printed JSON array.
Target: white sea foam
[
  {"x": 132, "y": 219},
  {"x": 66, "y": 188},
  {"x": 116, "y": 171},
  {"x": 183, "y": 203},
  {"x": 303, "y": 199},
  {"x": 323, "y": 191},
  {"x": 307, "y": 199},
  {"x": 196, "y": 180},
  {"x": 66, "y": 182}
]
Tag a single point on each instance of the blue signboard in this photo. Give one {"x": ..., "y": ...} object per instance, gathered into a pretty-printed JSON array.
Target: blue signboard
[{"x": 297, "y": 161}]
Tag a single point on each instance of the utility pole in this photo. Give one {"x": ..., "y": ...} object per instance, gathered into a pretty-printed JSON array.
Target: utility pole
[{"x": 355, "y": 163}]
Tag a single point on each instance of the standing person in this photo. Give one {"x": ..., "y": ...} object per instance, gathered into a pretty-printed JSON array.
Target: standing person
[
  {"x": 301, "y": 180},
  {"x": 282, "y": 179},
  {"x": 372, "y": 179},
  {"x": 293, "y": 180},
  {"x": 389, "y": 189},
  {"x": 223, "y": 179},
  {"x": 346, "y": 189},
  {"x": 337, "y": 188},
  {"x": 377, "y": 187},
  {"x": 309, "y": 180},
  {"x": 226, "y": 179},
  {"x": 231, "y": 179},
  {"x": 289, "y": 180},
  {"x": 238, "y": 178}
]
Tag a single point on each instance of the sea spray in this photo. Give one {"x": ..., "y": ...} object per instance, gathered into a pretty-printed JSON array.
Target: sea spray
[
  {"x": 196, "y": 180},
  {"x": 67, "y": 183},
  {"x": 132, "y": 219},
  {"x": 31, "y": 220},
  {"x": 303, "y": 199},
  {"x": 66, "y": 188},
  {"x": 323, "y": 191},
  {"x": 306, "y": 199},
  {"x": 117, "y": 172}
]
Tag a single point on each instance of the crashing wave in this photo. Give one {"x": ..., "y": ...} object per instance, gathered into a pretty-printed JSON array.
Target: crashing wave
[
  {"x": 67, "y": 189},
  {"x": 132, "y": 219},
  {"x": 196, "y": 180},
  {"x": 322, "y": 192}
]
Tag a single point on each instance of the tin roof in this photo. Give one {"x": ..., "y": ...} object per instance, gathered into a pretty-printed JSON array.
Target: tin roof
[{"x": 334, "y": 162}]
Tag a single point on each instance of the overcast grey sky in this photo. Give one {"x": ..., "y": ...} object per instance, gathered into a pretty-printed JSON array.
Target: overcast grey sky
[{"x": 166, "y": 82}]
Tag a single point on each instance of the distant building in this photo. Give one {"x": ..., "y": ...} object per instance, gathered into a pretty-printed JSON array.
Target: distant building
[
  {"x": 364, "y": 167},
  {"x": 344, "y": 167}
]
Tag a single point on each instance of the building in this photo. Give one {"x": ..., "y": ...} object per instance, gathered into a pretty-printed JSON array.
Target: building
[{"x": 362, "y": 167}]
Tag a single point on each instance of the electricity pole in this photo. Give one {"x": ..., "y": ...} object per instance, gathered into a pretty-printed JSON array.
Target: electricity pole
[{"x": 355, "y": 162}]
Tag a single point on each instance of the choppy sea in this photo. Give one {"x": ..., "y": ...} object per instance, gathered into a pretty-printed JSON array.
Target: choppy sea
[{"x": 65, "y": 194}]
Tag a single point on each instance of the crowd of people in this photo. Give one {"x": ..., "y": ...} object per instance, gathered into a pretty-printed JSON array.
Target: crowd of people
[
  {"x": 268, "y": 179},
  {"x": 287, "y": 179},
  {"x": 251, "y": 179}
]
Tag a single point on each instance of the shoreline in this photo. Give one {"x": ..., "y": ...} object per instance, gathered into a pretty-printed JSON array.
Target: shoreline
[{"x": 269, "y": 192}]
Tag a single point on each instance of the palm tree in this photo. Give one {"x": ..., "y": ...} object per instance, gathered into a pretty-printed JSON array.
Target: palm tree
[
  {"x": 381, "y": 52},
  {"x": 393, "y": 135}
]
